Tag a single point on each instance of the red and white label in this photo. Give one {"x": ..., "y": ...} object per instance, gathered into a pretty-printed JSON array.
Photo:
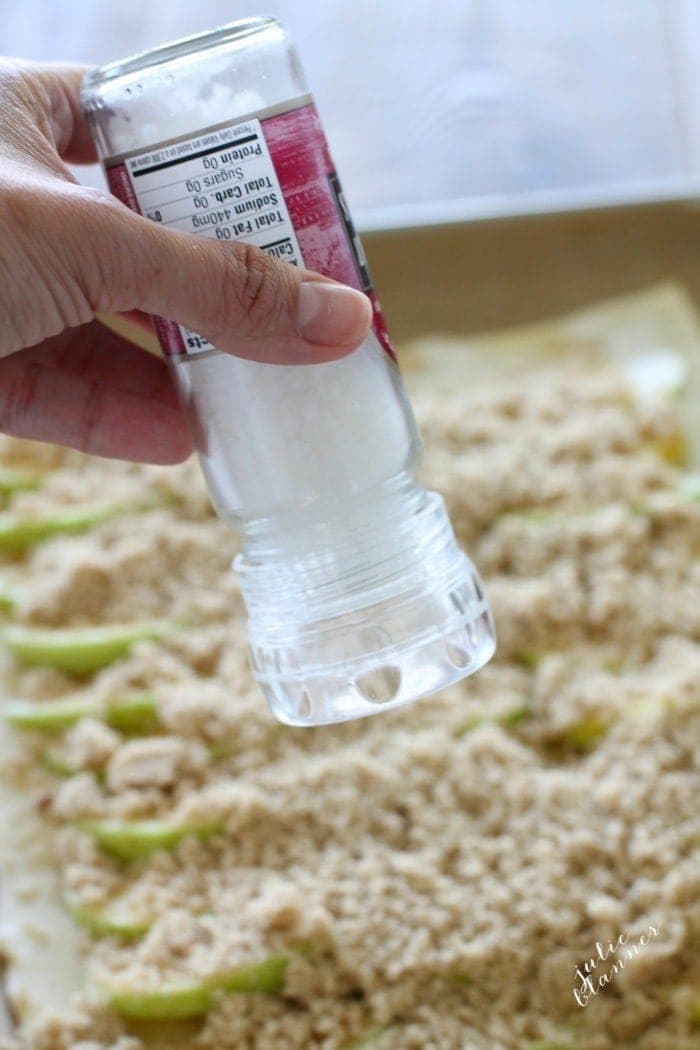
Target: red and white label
[{"x": 268, "y": 182}]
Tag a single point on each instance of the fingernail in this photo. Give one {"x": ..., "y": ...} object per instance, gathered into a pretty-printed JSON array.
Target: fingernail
[{"x": 332, "y": 314}]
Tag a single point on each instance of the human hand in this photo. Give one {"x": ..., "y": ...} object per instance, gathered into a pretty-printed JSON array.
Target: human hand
[{"x": 68, "y": 252}]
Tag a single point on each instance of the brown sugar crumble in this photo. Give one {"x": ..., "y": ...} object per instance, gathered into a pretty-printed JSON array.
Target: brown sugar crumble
[{"x": 433, "y": 875}]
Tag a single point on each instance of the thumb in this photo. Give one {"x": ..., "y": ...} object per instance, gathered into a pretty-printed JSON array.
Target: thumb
[{"x": 237, "y": 296}]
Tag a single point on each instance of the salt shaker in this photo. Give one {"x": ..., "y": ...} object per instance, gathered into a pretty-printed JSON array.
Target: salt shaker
[{"x": 358, "y": 597}]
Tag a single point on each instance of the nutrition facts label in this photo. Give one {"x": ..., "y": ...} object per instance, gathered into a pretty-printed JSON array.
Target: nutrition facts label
[
  {"x": 222, "y": 184},
  {"x": 267, "y": 180}
]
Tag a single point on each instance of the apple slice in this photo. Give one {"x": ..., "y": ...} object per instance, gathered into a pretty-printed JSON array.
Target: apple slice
[
  {"x": 132, "y": 839},
  {"x": 133, "y": 714},
  {"x": 49, "y": 716},
  {"x": 529, "y": 659},
  {"x": 111, "y": 920},
  {"x": 585, "y": 734},
  {"x": 54, "y": 763},
  {"x": 20, "y": 531},
  {"x": 80, "y": 650},
  {"x": 171, "y": 1003},
  {"x": 507, "y": 718},
  {"x": 191, "y": 999},
  {"x": 266, "y": 977},
  {"x": 14, "y": 479},
  {"x": 9, "y": 596}
]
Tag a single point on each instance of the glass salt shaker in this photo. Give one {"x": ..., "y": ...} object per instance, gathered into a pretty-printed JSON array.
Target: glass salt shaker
[{"x": 358, "y": 597}]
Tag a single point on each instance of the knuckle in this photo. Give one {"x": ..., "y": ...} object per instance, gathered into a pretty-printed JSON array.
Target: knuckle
[
  {"x": 25, "y": 108},
  {"x": 107, "y": 273},
  {"x": 132, "y": 258},
  {"x": 20, "y": 205},
  {"x": 16, "y": 82},
  {"x": 253, "y": 291},
  {"x": 38, "y": 225}
]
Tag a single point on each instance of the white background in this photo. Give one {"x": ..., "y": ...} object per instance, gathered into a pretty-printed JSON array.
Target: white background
[{"x": 515, "y": 95}]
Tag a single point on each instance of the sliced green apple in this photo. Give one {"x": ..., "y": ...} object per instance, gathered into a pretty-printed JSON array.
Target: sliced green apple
[
  {"x": 20, "y": 531},
  {"x": 132, "y": 839},
  {"x": 516, "y": 715},
  {"x": 530, "y": 659},
  {"x": 14, "y": 479},
  {"x": 133, "y": 715},
  {"x": 9, "y": 596},
  {"x": 695, "y": 1014},
  {"x": 266, "y": 977},
  {"x": 585, "y": 734},
  {"x": 506, "y": 718},
  {"x": 129, "y": 714},
  {"x": 179, "y": 1001},
  {"x": 170, "y": 1003},
  {"x": 49, "y": 716},
  {"x": 653, "y": 706},
  {"x": 673, "y": 448},
  {"x": 80, "y": 650},
  {"x": 533, "y": 516},
  {"x": 54, "y": 763},
  {"x": 110, "y": 920},
  {"x": 220, "y": 750}
]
